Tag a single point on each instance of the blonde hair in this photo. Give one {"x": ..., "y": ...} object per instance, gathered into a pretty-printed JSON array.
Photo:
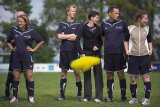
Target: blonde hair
[
  {"x": 68, "y": 7},
  {"x": 25, "y": 18}
]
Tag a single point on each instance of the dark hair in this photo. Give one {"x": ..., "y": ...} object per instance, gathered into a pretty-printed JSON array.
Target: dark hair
[
  {"x": 110, "y": 9},
  {"x": 140, "y": 15},
  {"x": 92, "y": 14}
]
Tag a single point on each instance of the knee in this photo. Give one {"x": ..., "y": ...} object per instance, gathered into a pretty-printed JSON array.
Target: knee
[
  {"x": 64, "y": 74},
  {"x": 133, "y": 80},
  {"x": 121, "y": 75},
  {"x": 29, "y": 76},
  {"x": 16, "y": 77},
  {"x": 145, "y": 78},
  {"x": 77, "y": 74},
  {"x": 110, "y": 76}
]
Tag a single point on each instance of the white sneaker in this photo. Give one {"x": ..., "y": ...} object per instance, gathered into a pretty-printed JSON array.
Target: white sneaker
[
  {"x": 31, "y": 99},
  {"x": 133, "y": 101},
  {"x": 14, "y": 100},
  {"x": 109, "y": 99},
  {"x": 97, "y": 100},
  {"x": 84, "y": 100},
  {"x": 145, "y": 101},
  {"x": 60, "y": 98}
]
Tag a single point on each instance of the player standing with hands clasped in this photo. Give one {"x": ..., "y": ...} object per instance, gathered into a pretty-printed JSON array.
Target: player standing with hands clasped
[{"x": 92, "y": 42}]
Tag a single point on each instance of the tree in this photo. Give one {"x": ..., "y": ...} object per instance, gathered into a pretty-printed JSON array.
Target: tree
[
  {"x": 54, "y": 11},
  {"x": 16, "y": 5}
]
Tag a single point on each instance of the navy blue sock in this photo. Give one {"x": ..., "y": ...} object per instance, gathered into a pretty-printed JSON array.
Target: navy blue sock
[
  {"x": 133, "y": 89},
  {"x": 123, "y": 88},
  {"x": 15, "y": 88},
  {"x": 31, "y": 88},
  {"x": 9, "y": 83},
  {"x": 110, "y": 86},
  {"x": 63, "y": 87},
  {"x": 147, "y": 89},
  {"x": 79, "y": 88}
]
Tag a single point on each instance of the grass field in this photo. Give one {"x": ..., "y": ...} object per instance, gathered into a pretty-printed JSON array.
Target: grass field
[{"x": 47, "y": 89}]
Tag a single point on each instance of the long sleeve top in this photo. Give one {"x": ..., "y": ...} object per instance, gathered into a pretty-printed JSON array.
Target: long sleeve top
[{"x": 91, "y": 36}]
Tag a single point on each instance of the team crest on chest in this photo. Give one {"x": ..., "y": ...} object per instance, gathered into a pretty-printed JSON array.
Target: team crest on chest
[
  {"x": 106, "y": 27},
  {"x": 118, "y": 27},
  {"x": 16, "y": 35},
  {"x": 27, "y": 36},
  {"x": 74, "y": 28}
]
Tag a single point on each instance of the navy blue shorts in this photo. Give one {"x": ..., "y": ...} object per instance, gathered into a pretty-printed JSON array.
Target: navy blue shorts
[
  {"x": 22, "y": 66},
  {"x": 66, "y": 57},
  {"x": 114, "y": 62},
  {"x": 139, "y": 65}
]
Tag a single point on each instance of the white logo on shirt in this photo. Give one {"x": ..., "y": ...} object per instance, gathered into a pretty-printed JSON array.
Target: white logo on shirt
[
  {"x": 119, "y": 27},
  {"x": 27, "y": 36},
  {"x": 106, "y": 27},
  {"x": 73, "y": 28}
]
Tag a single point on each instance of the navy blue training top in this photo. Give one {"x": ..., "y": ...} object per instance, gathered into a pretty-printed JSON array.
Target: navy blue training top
[
  {"x": 114, "y": 33},
  {"x": 22, "y": 39},
  {"x": 69, "y": 28}
]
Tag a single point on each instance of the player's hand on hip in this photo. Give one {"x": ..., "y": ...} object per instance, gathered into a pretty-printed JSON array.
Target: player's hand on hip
[
  {"x": 13, "y": 49},
  {"x": 30, "y": 49}
]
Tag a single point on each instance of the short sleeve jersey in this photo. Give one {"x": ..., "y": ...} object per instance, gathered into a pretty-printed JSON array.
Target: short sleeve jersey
[
  {"x": 22, "y": 39},
  {"x": 114, "y": 33},
  {"x": 69, "y": 28}
]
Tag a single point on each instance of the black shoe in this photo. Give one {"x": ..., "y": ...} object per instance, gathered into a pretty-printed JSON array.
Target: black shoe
[
  {"x": 123, "y": 99},
  {"x": 5, "y": 98},
  {"x": 109, "y": 99},
  {"x": 60, "y": 98}
]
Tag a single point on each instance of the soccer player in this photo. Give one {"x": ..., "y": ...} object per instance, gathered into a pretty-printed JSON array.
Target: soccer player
[
  {"x": 114, "y": 31},
  {"x": 138, "y": 46},
  {"x": 23, "y": 37},
  {"x": 67, "y": 32},
  {"x": 9, "y": 81},
  {"x": 92, "y": 42}
]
